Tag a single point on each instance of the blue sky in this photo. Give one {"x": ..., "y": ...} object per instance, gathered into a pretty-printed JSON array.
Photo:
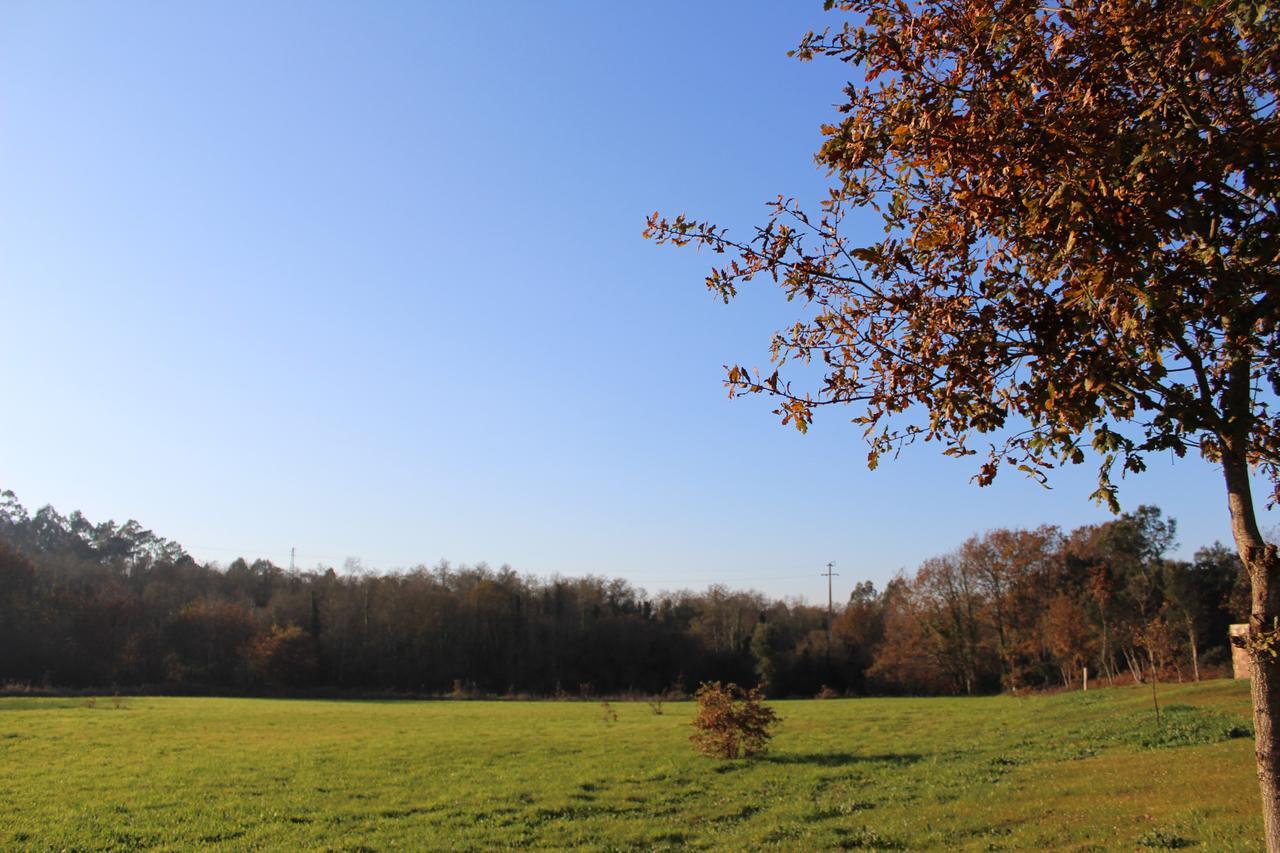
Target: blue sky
[{"x": 367, "y": 280}]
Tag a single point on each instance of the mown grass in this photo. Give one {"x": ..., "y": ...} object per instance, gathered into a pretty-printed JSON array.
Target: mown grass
[{"x": 1077, "y": 771}]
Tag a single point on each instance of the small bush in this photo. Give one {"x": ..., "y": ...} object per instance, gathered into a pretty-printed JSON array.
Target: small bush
[
  {"x": 732, "y": 722},
  {"x": 826, "y": 693},
  {"x": 608, "y": 713},
  {"x": 655, "y": 705}
]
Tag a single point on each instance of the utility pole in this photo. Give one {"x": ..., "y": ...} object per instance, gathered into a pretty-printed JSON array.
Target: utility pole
[
  {"x": 291, "y": 556},
  {"x": 830, "y": 607}
]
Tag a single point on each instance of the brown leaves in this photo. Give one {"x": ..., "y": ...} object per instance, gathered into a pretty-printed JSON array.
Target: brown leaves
[
  {"x": 732, "y": 722},
  {"x": 1079, "y": 213}
]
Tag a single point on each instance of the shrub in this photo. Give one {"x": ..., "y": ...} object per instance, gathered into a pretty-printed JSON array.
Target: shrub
[{"x": 732, "y": 722}]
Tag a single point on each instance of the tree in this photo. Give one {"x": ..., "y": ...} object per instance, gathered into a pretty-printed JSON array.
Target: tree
[
  {"x": 1067, "y": 637},
  {"x": 283, "y": 655},
  {"x": 858, "y": 629},
  {"x": 945, "y": 593},
  {"x": 1012, "y": 569},
  {"x": 764, "y": 648},
  {"x": 1080, "y": 249},
  {"x": 908, "y": 659}
]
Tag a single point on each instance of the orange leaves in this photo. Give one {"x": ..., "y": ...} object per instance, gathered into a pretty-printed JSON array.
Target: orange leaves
[
  {"x": 798, "y": 412},
  {"x": 1076, "y": 205}
]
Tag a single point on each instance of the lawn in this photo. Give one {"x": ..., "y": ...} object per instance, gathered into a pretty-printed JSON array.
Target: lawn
[{"x": 1077, "y": 770}]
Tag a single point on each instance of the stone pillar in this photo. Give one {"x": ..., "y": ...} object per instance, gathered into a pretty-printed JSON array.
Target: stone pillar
[{"x": 1239, "y": 657}]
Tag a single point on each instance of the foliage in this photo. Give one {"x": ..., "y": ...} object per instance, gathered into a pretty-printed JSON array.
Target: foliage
[
  {"x": 284, "y": 656},
  {"x": 732, "y": 722},
  {"x": 1079, "y": 234}
]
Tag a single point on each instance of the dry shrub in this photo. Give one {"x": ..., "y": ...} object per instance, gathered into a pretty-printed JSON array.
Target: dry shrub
[
  {"x": 655, "y": 705},
  {"x": 826, "y": 693},
  {"x": 732, "y": 722},
  {"x": 608, "y": 713}
]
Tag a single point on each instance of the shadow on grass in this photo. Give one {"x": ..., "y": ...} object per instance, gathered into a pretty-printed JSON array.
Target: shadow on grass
[{"x": 840, "y": 759}]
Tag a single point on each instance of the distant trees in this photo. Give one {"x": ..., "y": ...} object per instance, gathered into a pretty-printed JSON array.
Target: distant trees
[
  {"x": 1008, "y": 609},
  {"x": 1030, "y": 608}
]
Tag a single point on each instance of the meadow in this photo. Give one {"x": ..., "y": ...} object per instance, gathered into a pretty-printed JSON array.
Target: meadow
[{"x": 1073, "y": 770}]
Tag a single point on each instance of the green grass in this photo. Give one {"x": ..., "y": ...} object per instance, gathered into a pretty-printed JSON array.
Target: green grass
[{"x": 1077, "y": 771}]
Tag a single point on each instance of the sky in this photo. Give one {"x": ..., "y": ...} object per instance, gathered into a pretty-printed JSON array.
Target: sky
[{"x": 367, "y": 281}]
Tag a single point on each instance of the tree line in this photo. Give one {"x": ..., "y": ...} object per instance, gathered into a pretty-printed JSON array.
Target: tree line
[{"x": 115, "y": 605}]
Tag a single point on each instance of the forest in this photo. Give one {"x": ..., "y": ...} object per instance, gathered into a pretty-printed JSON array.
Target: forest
[{"x": 116, "y": 606}]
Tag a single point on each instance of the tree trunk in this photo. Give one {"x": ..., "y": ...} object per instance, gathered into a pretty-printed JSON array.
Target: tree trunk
[
  {"x": 1155, "y": 703},
  {"x": 1135, "y": 665},
  {"x": 1195, "y": 654},
  {"x": 1263, "y": 565},
  {"x": 1106, "y": 651}
]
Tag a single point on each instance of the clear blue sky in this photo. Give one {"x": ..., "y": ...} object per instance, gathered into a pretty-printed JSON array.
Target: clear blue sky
[{"x": 368, "y": 280}]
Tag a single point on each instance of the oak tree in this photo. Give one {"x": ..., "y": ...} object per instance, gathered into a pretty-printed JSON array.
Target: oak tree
[{"x": 1079, "y": 250}]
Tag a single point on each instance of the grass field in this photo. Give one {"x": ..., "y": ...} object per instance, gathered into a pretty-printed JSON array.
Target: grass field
[{"x": 1075, "y": 771}]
